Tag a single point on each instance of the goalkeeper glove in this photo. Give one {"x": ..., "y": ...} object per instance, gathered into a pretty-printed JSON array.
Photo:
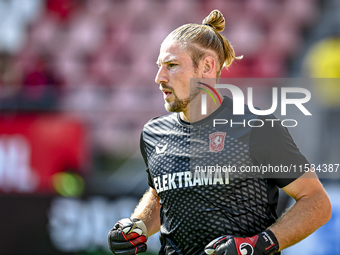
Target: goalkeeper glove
[
  {"x": 264, "y": 243},
  {"x": 128, "y": 237}
]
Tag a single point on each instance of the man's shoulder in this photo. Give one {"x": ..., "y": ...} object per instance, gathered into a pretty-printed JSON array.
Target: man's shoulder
[
  {"x": 163, "y": 123},
  {"x": 157, "y": 127}
]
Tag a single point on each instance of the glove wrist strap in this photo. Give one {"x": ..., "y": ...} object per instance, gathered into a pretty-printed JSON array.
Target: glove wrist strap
[
  {"x": 140, "y": 224},
  {"x": 269, "y": 242}
]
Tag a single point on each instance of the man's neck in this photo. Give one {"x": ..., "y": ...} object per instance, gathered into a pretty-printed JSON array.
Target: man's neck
[{"x": 193, "y": 113}]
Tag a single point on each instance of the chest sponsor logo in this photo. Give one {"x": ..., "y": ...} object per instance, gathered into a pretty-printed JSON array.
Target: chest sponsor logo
[
  {"x": 189, "y": 179},
  {"x": 217, "y": 141},
  {"x": 161, "y": 149}
]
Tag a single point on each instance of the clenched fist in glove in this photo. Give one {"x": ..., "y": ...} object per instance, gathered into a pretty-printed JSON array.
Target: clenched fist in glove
[
  {"x": 264, "y": 243},
  {"x": 128, "y": 237}
]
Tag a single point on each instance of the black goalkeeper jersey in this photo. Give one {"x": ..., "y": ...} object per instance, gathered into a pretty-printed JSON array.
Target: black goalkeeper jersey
[{"x": 202, "y": 174}]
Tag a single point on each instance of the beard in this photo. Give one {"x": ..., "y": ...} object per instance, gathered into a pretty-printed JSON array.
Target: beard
[{"x": 179, "y": 105}]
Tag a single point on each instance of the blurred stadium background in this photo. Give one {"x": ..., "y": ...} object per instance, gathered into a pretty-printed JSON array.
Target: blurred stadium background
[{"x": 77, "y": 85}]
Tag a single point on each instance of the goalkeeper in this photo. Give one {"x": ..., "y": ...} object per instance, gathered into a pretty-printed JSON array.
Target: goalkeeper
[{"x": 211, "y": 213}]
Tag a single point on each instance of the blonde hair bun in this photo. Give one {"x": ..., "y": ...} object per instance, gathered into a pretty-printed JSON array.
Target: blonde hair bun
[{"x": 216, "y": 20}]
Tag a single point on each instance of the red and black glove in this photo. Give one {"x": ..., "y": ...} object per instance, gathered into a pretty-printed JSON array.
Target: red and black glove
[
  {"x": 264, "y": 243},
  {"x": 128, "y": 237}
]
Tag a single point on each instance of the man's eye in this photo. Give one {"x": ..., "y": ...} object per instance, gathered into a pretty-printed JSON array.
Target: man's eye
[{"x": 172, "y": 65}]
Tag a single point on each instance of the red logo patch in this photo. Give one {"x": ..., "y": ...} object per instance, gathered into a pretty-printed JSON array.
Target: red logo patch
[{"x": 217, "y": 141}]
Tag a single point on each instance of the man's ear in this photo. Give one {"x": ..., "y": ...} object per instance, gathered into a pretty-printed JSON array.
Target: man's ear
[{"x": 208, "y": 67}]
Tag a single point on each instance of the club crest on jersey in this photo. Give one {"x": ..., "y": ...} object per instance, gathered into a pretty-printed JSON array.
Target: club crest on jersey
[{"x": 217, "y": 141}]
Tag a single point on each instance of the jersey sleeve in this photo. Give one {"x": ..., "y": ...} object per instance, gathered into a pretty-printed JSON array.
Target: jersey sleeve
[
  {"x": 142, "y": 149},
  {"x": 273, "y": 147}
]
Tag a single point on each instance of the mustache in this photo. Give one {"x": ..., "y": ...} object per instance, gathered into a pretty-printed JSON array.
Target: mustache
[{"x": 164, "y": 86}]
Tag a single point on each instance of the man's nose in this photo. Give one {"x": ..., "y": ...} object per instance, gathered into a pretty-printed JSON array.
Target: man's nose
[{"x": 162, "y": 76}]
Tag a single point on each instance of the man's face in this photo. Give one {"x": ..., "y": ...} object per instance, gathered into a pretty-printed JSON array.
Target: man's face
[{"x": 174, "y": 73}]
